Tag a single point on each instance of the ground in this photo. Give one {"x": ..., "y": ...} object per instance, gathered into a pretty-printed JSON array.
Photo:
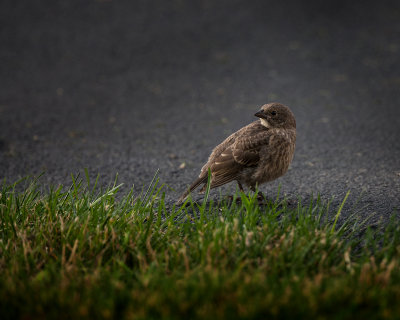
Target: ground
[{"x": 130, "y": 87}]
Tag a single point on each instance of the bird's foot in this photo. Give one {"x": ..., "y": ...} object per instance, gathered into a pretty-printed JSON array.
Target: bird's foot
[
  {"x": 230, "y": 199},
  {"x": 261, "y": 198},
  {"x": 260, "y": 195},
  {"x": 291, "y": 202}
]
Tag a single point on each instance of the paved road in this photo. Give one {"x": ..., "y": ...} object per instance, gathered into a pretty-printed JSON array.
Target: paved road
[{"x": 132, "y": 86}]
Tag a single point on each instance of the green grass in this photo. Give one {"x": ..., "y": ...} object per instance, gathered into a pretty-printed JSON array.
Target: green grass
[{"x": 80, "y": 252}]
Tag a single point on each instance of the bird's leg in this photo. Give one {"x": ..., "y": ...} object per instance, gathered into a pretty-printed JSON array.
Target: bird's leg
[{"x": 240, "y": 186}]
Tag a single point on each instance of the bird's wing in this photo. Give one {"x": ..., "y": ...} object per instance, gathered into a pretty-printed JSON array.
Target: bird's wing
[
  {"x": 224, "y": 168},
  {"x": 227, "y": 143},
  {"x": 246, "y": 150},
  {"x": 216, "y": 153}
]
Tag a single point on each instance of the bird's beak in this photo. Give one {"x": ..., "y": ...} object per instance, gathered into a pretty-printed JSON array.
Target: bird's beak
[{"x": 260, "y": 114}]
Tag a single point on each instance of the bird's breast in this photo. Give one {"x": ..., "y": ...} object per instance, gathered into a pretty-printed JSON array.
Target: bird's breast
[{"x": 277, "y": 156}]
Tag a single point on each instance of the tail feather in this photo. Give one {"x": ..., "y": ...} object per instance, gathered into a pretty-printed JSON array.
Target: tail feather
[{"x": 194, "y": 185}]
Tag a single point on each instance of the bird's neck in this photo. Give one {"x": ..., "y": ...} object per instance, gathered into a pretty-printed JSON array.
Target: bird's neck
[{"x": 265, "y": 123}]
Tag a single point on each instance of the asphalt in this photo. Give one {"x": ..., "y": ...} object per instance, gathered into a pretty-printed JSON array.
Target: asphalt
[{"x": 130, "y": 87}]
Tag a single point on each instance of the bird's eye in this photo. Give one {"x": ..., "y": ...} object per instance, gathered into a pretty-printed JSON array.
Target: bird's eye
[{"x": 273, "y": 113}]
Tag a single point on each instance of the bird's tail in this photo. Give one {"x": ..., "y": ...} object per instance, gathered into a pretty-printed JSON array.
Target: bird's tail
[{"x": 194, "y": 185}]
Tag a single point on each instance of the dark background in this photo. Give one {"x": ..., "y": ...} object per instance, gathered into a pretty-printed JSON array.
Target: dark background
[{"x": 132, "y": 86}]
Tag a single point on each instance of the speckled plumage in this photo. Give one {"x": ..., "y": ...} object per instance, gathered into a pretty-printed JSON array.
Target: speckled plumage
[{"x": 259, "y": 152}]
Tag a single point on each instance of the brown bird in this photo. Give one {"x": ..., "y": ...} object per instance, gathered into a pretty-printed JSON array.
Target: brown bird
[{"x": 257, "y": 153}]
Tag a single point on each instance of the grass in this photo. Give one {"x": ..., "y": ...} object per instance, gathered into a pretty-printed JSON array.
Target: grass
[{"x": 82, "y": 252}]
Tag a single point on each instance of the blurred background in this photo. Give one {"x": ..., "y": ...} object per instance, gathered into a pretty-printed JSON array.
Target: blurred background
[{"x": 130, "y": 87}]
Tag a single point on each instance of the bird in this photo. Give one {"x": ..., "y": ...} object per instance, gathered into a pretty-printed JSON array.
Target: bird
[{"x": 255, "y": 154}]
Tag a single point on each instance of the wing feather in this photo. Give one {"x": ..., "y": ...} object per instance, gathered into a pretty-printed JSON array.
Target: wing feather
[
  {"x": 238, "y": 151},
  {"x": 246, "y": 150}
]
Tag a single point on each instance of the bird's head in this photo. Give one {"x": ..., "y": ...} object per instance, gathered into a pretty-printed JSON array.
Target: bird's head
[{"x": 276, "y": 115}]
